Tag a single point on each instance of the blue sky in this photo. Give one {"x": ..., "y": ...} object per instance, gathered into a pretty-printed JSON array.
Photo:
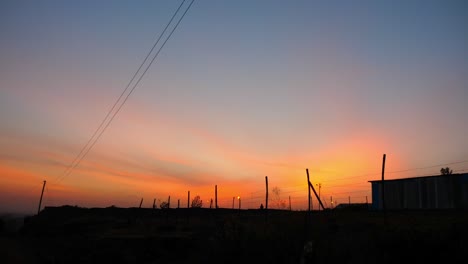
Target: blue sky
[{"x": 242, "y": 89}]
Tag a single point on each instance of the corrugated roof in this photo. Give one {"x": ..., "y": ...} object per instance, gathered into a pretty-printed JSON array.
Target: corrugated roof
[{"x": 420, "y": 177}]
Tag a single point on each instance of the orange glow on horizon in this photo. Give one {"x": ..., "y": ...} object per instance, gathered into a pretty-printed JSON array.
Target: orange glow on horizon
[{"x": 122, "y": 180}]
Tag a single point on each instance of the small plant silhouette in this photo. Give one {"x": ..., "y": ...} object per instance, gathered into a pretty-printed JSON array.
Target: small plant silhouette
[
  {"x": 446, "y": 171},
  {"x": 164, "y": 205},
  {"x": 277, "y": 201},
  {"x": 197, "y": 202}
]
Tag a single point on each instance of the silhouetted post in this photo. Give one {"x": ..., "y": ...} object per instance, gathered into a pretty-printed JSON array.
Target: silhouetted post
[
  {"x": 266, "y": 198},
  {"x": 40, "y": 200},
  {"x": 188, "y": 199},
  {"x": 289, "y": 202},
  {"x": 154, "y": 203},
  {"x": 233, "y": 202},
  {"x": 383, "y": 182},
  {"x": 320, "y": 186},
  {"x": 141, "y": 202},
  {"x": 318, "y": 198},
  {"x": 211, "y": 203},
  {"x": 307, "y": 220},
  {"x": 169, "y": 202},
  {"x": 308, "y": 187},
  {"x": 216, "y": 196}
]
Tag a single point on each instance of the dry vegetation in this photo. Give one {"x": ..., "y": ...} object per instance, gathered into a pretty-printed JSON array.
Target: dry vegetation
[{"x": 78, "y": 235}]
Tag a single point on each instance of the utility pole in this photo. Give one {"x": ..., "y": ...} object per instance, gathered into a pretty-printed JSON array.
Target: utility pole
[
  {"x": 383, "y": 190},
  {"x": 308, "y": 210},
  {"x": 169, "y": 202},
  {"x": 178, "y": 203},
  {"x": 141, "y": 202},
  {"x": 266, "y": 199},
  {"x": 308, "y": 188},
  {"x": 40, "y": 200},
  {"x": 154, "y": 203}
]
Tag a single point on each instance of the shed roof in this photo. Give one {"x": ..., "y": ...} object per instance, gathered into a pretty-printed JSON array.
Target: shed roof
[{"x": 421, "y": 177}]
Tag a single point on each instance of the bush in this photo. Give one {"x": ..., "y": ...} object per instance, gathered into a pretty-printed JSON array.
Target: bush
[
  {"x": 164, "y": 205},
  {"x": 197, "y": 202}
]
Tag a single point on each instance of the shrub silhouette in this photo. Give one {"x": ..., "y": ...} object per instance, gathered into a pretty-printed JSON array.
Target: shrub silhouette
[
  {"x": 164, "y": 205},
  {"x": 446, "y": 171},
  {"x": 197, "y": 202},
  {"x": 277, "y": 201}
]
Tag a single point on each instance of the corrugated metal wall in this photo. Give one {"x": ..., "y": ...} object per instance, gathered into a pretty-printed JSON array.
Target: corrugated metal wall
[{"x": 436, "y": 192}]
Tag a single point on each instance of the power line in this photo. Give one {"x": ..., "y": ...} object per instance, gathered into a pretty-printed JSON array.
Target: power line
[
  {"x": 133, "y": 88},
  {"x": 398, "y": 171},
  {"x": 298, "y": 188},
  {"x": 350, "y": 177},
  {"x": 345, "y": 185},
  {"x": 428, "y": 167},
  {"x": 124, "y": 91}
]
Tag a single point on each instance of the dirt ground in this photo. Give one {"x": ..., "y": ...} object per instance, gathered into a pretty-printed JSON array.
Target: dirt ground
[{"x": 117, "y": 235}]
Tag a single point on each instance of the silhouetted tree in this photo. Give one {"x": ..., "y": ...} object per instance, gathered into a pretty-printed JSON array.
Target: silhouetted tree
[
  {"x": 164, "y": 205},
  {"x": 277, "y": 201},
  {"x": 446, "y": 171},
  {"x": 197, "y": 202}
]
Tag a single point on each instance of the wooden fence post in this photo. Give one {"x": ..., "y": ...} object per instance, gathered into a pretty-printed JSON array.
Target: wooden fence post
[
  {"x": 383, "y": 189},
  {"x": 266, "y": 196},
  {"x": 308, "y": 188},
  {"x": 188, "y": 199},
  {"x": 40, "y": 200},
  {"x": 216, "y": 196}
]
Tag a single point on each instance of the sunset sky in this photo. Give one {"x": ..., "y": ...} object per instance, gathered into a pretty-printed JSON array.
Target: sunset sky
[{"x": 241, "y": 90}]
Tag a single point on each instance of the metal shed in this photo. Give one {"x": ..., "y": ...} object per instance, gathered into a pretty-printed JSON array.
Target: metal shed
[{"x": 427, "y": 192}]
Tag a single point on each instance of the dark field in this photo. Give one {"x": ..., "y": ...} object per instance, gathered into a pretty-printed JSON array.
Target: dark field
[{"x": 132, "y": 235}]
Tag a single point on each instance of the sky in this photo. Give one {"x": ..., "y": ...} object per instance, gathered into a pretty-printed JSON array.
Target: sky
[{"x": 241, "y": 90}]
